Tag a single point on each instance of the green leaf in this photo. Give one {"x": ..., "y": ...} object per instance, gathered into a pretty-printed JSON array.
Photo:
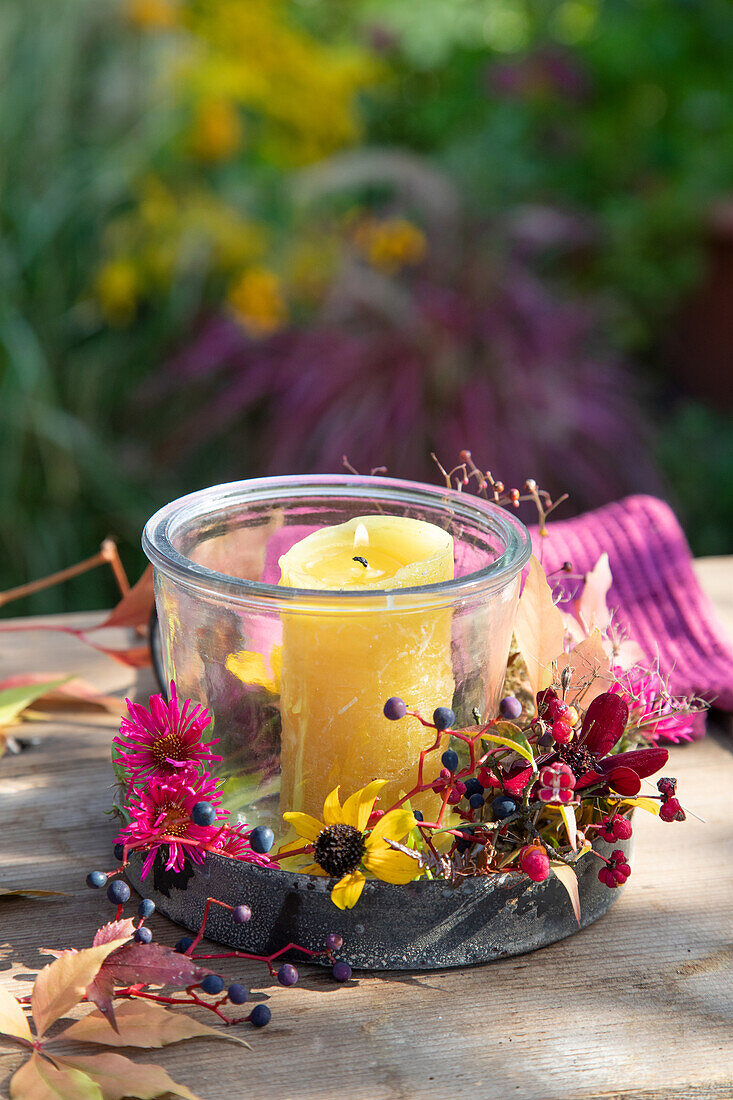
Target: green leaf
[
  {"x": 512, "y": 738},
  {"x": 14, "y": 700}
]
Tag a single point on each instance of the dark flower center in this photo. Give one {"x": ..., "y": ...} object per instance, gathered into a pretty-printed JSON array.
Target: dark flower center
[
  {"x": 168, "y": 747},
  {"x": 338, "y": 850},
  {"x": 176, "y": 821},
  {"x": 580, "y": 760}
]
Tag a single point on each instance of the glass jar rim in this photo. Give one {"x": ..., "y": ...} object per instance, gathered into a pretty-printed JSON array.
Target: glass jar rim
[{"x": 162, "y": 527}]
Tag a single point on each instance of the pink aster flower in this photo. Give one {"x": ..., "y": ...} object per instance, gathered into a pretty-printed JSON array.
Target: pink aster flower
[
  {"x": 160, "y": 814},
  {"x": 653, "y": 709},
  {"x": 165, "y": 740}
]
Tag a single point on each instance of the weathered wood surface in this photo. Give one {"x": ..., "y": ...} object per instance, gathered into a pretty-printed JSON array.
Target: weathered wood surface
[{"x": 639, "y": 1005}]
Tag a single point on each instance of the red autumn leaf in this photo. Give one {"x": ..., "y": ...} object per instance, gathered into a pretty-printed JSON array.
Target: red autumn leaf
[
  {"x": 624, "y": 781},
  {"x": 100, "y": 992},
  {"x": 153, "y": 964},
  {"x": 135, "y": 657},
  {"x": 135, "y": 607},
  {"x": 115, "y": 930},
  {"x": 604, "y": 722}
]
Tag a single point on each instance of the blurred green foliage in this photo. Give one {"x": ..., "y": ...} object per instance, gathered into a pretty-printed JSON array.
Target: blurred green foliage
[{"x": 618, "y": 112}]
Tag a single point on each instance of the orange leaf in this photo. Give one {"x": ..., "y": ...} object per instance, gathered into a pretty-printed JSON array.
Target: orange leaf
[
  {"x": 143, "y": 1024},
  {"x": 591, "y": 670},
  {"x": 39, "y": 1079},
  {"x": 29, "y": 892},
  {"x": 135, "y": 607},
  {"x": 591, "y": 607},
  {"x": 569, "y": 879},
  {"x": 12, "y": 1018},
  {"x": 117, "y": 1077},
  {"x": 62, "y": 983},
  {"x": 136, "y": 657},
  {"x": 538, "y": 628}
]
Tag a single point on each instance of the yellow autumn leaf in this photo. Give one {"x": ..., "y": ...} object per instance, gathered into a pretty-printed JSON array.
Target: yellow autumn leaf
[
  {"x": 539, "y": 629},
  {"x": 62, "y": 983},
  {"x": 40, "y": 1079},
  {"x": 116, "y": 1077},
  {"x": 12, "y": 1018},
  {"x": 143, "y": 1024}
]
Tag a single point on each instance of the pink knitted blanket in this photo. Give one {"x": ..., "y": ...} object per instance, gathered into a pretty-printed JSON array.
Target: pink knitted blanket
[{"x": 655, "y": 592}]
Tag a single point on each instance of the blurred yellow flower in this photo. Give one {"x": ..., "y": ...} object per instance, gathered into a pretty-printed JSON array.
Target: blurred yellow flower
[
  {"x": 117, "y": 287},
  {"x": 390, "y": 244},
  {"x": 216, "y": 133},
  {"x": 257, "y": 301},
  {"x": 152, "y": 14},
  {"x": 254, "y": 54}
]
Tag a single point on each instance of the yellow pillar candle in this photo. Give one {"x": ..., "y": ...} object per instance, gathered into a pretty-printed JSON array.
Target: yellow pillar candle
[{"x": 340, "y": 666}]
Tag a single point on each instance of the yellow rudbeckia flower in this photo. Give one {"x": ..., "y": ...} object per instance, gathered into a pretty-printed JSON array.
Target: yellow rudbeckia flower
[{"x": 343, "y": 849}]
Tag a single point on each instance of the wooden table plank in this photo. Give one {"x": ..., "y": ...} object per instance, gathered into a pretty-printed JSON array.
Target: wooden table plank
[{"x": 639, "y": 1005}]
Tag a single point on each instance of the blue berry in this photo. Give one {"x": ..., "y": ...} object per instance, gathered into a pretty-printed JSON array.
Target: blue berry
[
  {"x": 510, "y": 707},
  {"x": 450, "y": 760},
  {"x": 476, "y": 801},
  {"x": 261, "y": 839},
  {"x": 443, "y": 719},
  {"x": 118, "y": 892},
  {"x": 394, "y": 709},
  {"x": 119, "y": 851},
  {"x": 334, "y": 942},
  {"x": 241, "y": 914},
  {"x": 418, "y": 815},
  {"x": 212, "y": 984},
  {"x": 473, "y": 786},
  {"x": 146, "y": 908},
  {"x": 142, "y": 935},
  {"x": 341, "y": 971},
  {"x": 237, "y": 993},
  {"x": 287, "y": 974},
  {"x": 96, "y": 880},
  {"x": 203, "y": 814},
  {"x": 183, "y": 944},
  {"x": 502, "y": 807},
  {"x": 260, "y": 1016}
]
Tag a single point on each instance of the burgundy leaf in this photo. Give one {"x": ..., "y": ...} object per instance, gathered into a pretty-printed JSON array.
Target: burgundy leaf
[
  {"x": 152, "y": 964},
  {"x": 100, "y": 993},
  {"x": 624, "y": 781},
  {"x": 642, "y": 761},
  {"x": 604, "y": 723}
]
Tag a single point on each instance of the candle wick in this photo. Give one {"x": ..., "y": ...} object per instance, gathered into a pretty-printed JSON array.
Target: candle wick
[{"x": 363, "y": 561}]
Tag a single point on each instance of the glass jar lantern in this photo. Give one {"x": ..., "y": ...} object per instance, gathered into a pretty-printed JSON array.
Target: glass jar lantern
[{"x": 295, "y": 678}]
